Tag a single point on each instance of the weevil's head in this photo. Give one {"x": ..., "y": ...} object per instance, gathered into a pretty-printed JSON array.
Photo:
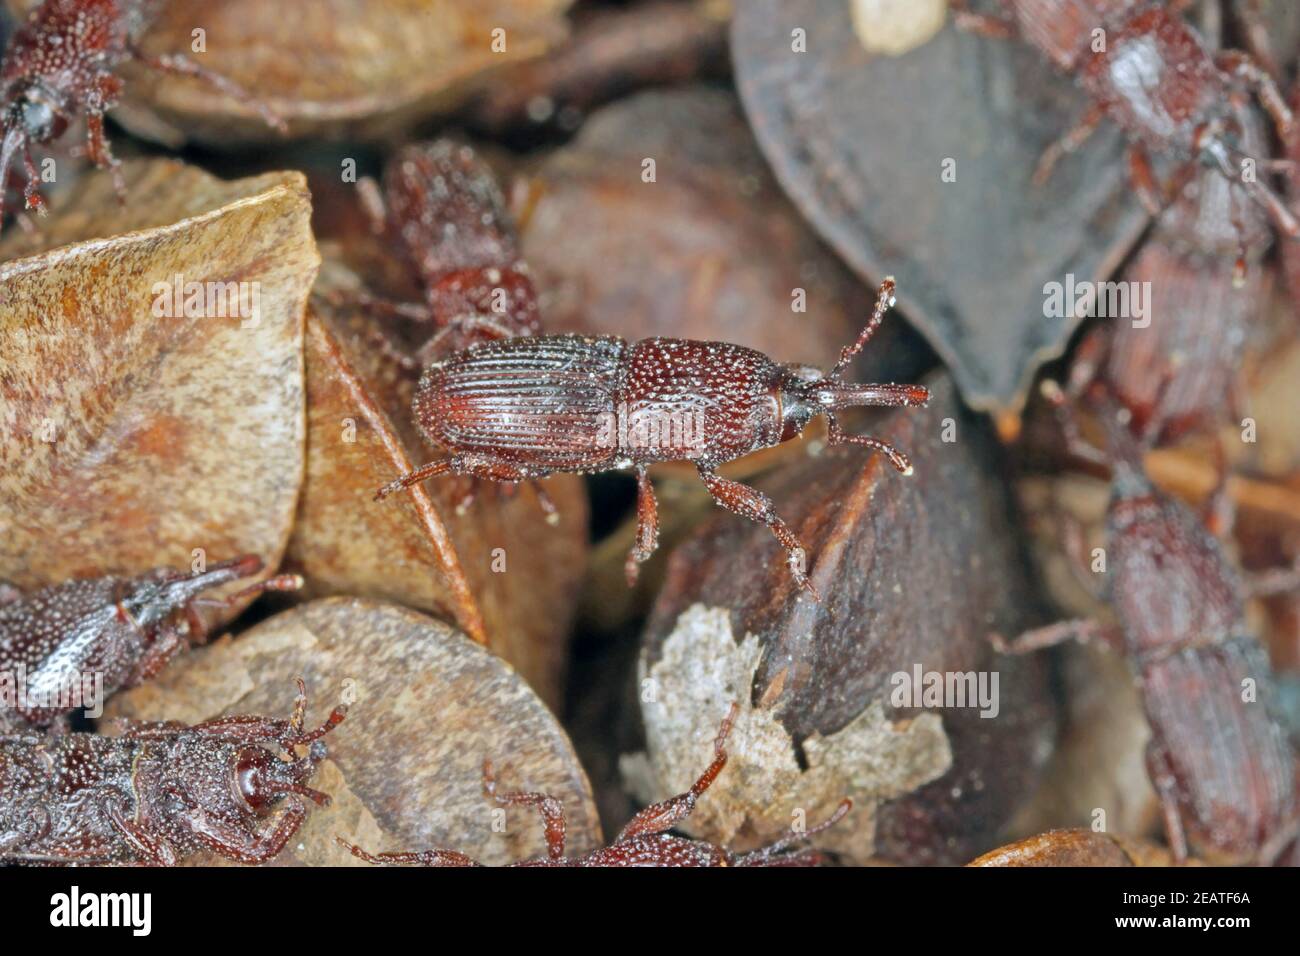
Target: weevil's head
[
  {"x": 262, "y": 776},
  {"x": 35, "y": 111},
  {"x": 796, "y": 399},
  {"x": 805, "y": 391}
]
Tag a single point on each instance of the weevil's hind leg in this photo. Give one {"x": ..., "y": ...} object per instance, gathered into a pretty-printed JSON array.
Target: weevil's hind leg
[
  {"x": 423, "y": 473},
  {"x": 982, "y": 24},
  {"x": 550, "y": 808},
  {"x": 1068, "y": 420},
  {"x": 178, "y": 65},
  {"x": 151, "y": 847},
  {"x": 647, "y": 527},
  {"x": 885, "y": 296},
  {"x": 420, "y": 858},
  {"x": 1166, "y": 787},
  {"x": 836, "y": 435},
  {"x": 756, "y": 506},
  {"x": 1083, "y": 630},
  {"x": 1069, "y": 142},
  {"x": 668, "y": 813}
]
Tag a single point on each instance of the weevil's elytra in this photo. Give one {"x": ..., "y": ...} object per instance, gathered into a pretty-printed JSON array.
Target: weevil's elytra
[{"x": 526, "y": 407}]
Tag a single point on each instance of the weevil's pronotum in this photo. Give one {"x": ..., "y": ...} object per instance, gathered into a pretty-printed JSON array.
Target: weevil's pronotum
[
  {"x": 162, "y": 791},
  {"x": 1149, "y": 71},
  {"x": 1221, "y": 765},
  {"x": 64, "y": 60},
  {"x": 121, "y": 630},
  {"x": 524, "y": 408},
  {"x": 645, "y": 841}
]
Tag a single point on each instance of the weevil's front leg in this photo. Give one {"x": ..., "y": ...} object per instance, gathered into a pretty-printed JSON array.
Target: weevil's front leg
[
  {"x": 1068, "y": 143},
  {"x": 107, "y": 89},
  {"x": 179, "y": 65},
  {"x": 1239, "y": 66},
  {"x": 836, "y": 435},
  {"x": 549, "y": 807},
  {"x": 756, "y": 506},
  {"x": 668, "y": 813},
  {"x": 167, "y": 643},
  {"x": 1142, "y": 177},
  {"x": 421, "y": 858},
  {"x": 647, "y": 526},
  {"x": 1083, "y": 630},
  {"x": 244, "y": 847}
]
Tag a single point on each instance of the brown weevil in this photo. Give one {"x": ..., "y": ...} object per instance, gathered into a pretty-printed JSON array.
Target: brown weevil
[
  {"x": 1149, "y": 71},
  {"x": 1220, "y": 763},
  {"x": 161, "y": 791},
  {"x": 645, "y": 841},
  {"x": 526, "y": 407},
  {"x": 62, "y": 61},
  {"x": 120, "y": 630}
]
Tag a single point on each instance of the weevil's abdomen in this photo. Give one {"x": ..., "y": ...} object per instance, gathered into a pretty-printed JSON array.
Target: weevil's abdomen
[
  {"x": 547, "y": 402},
  {"x": 1234, "y": 768}
]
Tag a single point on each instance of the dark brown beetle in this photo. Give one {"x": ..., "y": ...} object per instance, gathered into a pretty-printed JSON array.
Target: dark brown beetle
[
  {"x": 121, "y": 630},
  {"x": 1221, "y": 765},
  {"x": 527, "y": 407},
  {"x": 1149, "y": 71},
  {"x": 161, "y": 791},
  {"x": 645, "y": 841},
  {"x": 62, "y": 61}
]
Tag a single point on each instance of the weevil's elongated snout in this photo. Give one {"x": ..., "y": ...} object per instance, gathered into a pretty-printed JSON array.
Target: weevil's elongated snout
[{"x": 835, "y": 395}]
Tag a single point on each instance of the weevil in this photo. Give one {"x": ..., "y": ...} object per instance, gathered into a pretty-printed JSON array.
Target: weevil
[
  {"x": 63, "y": 60},
  {"x": 527, "y": 407},
  {"x": 442, "y": 208},
  {"x": 121, "y": 630},
  {"x": 1220, "y": 763},
  {"x": 161, "y": 791},
  {"x": 645, "y": 841},
  {"x": 1179, "y": 362},
  {"x": 1149, "y": 71}
]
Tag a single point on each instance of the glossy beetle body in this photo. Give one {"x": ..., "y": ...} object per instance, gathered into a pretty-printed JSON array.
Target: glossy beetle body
[
  {"x": 525, "y": 407},
  {"x": 643, "y": 842},
  {"x": 160, "y": 792},
  {"x": 118, "y": 631}
]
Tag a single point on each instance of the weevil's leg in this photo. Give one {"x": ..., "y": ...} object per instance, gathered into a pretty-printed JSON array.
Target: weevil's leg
[
  {"x": 1239, "y": 66},
  {"x": 423, "y": 473},
  {"x": 884, "y": 302},
  {"x": 836, "y": 435},
  {"x": 982, "y": 24},
  {"x": 152, "y": 848},
  {"x": 668, "y": 813},
  {"x": 363, "y": 301},
  {"x": 242, "y": 846},
  {"x": 1219, "y": 511},
  {"x": 549, "y": 807},
  {"x": 373, "y": 205},
  {"x": 1143, "y": 179},
  {"x": 1076, "y": 550},
  {"x": 167, "y": 643},
  {"x": 482, "y": 328},
  {"x": 1069, "y": 142},
  {"x": 647, "y": 527},
  {"x": 32, "y": 197},
  {"x": 1083, "y": 630},
  {"x": 106, "y": 91},
  {"x": 1069, "y": 422},
  {"x": 1166, "y": 787},
  {"x": 756, "y": 506},
  {"x": 1255, "y": 34},
  {"x": 179, "y": 65},
  {"x": 545, "y": 502},
  {"x": 421, "y": 858},
  {"x": 1086, "y": 363},
  {"x": 771, "y": 855},
  {"x": 1273, "y": 581}
]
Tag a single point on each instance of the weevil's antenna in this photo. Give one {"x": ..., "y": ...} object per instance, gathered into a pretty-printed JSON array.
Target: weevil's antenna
[{"x": 885, "y": 299}]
